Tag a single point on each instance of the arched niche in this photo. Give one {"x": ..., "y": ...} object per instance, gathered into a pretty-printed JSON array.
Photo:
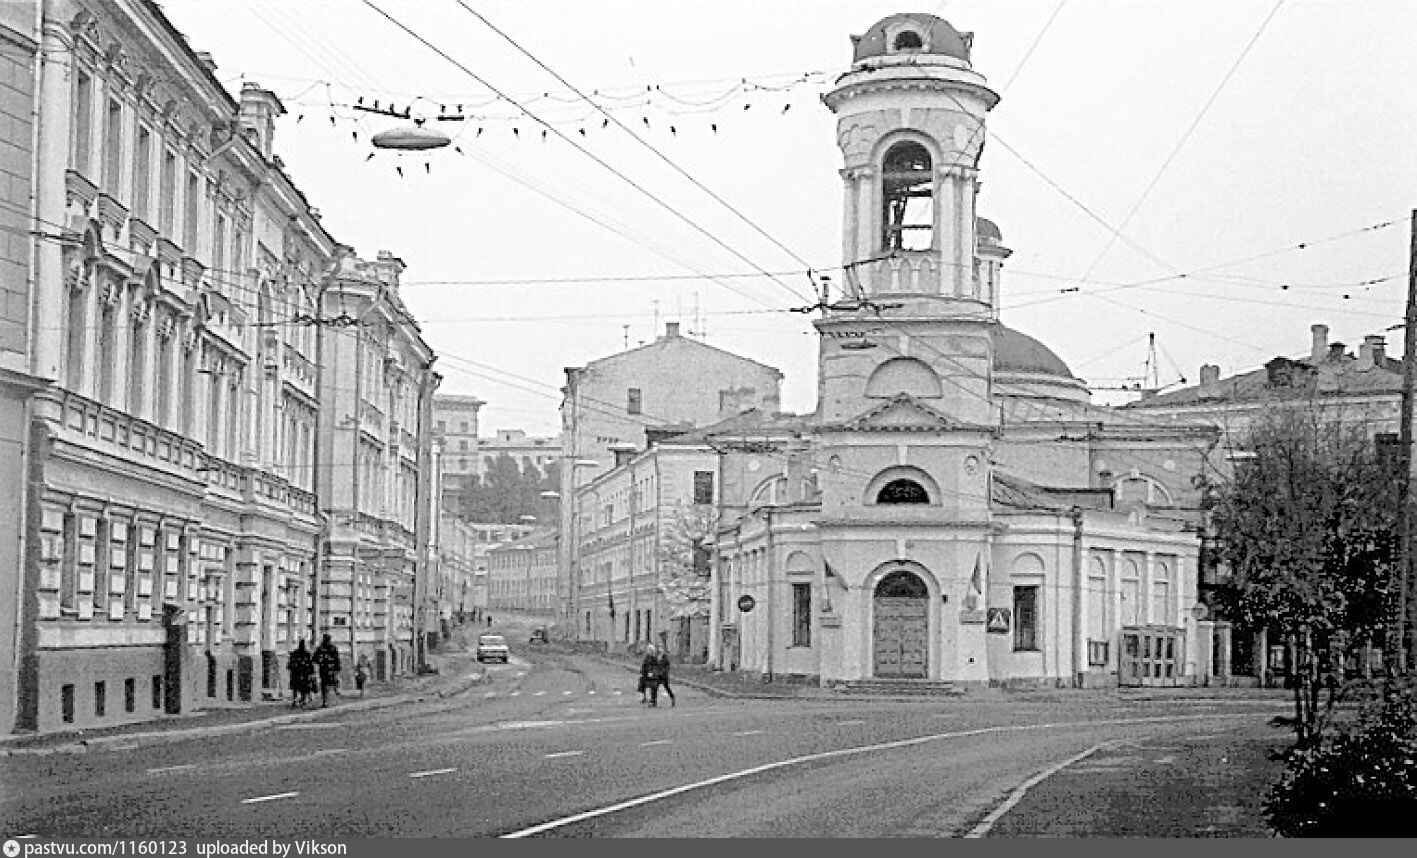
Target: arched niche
[{"x": 907, "y": 375}]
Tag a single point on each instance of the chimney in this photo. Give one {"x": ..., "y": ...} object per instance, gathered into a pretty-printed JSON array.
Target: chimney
[
  {"x": 1335, "y": 352},
  {"x": 259, "y": 109},
  {"x": 205, "y": 58},
  {"x": 1316, "y": 352},
  {"x": 1374, "y": 351},
  {"x": 671, "y": 329},
  {"x": 387, "y": 268},
  {"x": 1210, "y": 381}
]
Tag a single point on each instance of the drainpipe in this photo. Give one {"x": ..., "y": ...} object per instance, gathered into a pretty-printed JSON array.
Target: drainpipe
[
  {"x": 1079, "y": 633},
  {"x": 768, "y": 607}
]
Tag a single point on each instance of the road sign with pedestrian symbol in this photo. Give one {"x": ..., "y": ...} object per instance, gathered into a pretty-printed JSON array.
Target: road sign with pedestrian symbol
[{"x": 998, "y": 622}]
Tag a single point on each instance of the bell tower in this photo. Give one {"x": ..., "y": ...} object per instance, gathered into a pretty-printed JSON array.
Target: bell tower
[{"x": 910, "y": 124}]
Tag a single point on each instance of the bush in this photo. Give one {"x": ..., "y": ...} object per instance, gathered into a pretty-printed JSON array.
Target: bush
[{"x": 1361, "y": 782}]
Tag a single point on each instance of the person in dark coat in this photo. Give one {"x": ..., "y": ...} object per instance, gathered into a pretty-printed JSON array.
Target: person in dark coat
[
  {"x": 327, "y": 663},
  {"x": 647, "y": 670},
  {"x": 301, "y": 665},
  {"x": 661, "y": 672}
]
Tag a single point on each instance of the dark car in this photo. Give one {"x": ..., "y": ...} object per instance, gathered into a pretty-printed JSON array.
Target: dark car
[{"x": 539, "y": 636}]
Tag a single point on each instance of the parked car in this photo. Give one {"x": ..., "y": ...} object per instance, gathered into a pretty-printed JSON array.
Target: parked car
[
  {"x": 539, "y": 636},
  {"x": 492, "y": 648}
]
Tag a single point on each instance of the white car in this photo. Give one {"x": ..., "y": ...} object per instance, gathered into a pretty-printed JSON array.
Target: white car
[{"x": 492, "y": 648}]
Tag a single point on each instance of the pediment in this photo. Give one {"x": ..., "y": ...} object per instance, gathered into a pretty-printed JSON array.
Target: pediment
[{"x": 901, "y": 413}]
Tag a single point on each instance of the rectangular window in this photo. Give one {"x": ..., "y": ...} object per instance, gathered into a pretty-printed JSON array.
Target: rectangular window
[
  {"x": 801, "y": 614},
  {"x": 632, "y": 401},
  {"x": 100, "y": 701},
  {"x": 165, "y": 347},
  {"x": 703, "y": 486},
  {"x": 142, "y": 173},
  {"x": 462, "y": 428},
  {"x": 238, "y": 251},
  {"x": 113, "y": 148},
  {"x": 442, "y": 426},
  {"x": 1026, "y": 618},
  {"x": 107, "y": 352},
  {"x": 66, "y": 703},
  {"x": 83, "y": 122},
  {"x": 219, "y": 247},
  {"x": 190, "y": 206},
  {"x": 137, "y": 369},
  {"x": 157, "y": 692},
  {"x": 69, "y": 564},
  {"x": 130, "y": 695},
  {"x": 167, "y": 194}
]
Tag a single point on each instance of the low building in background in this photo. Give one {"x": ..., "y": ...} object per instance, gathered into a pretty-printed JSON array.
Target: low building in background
[{"x": 521, "y": 575}]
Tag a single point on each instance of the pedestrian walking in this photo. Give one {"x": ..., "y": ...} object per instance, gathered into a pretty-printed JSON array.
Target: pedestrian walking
[
  {"x": 647, "y": 669},
  {"x": 301, "y": 665},
  {"x": 326, "y": 659},
  {"x": 361, "y": 673},
  {"x": 489, "y": 621},
  {"x": 661, "y": 672}
]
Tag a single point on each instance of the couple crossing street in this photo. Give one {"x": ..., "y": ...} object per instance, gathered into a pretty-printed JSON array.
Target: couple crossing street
[{"x": 654, "y": 672}]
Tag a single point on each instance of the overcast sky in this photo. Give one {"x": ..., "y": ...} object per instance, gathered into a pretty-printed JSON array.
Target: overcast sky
[{"x": 1125, "y": 117}]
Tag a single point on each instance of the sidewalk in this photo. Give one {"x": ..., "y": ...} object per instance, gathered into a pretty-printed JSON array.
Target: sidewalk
[
  {"x": 453, "y": 678},
  {"x": 1193, "y": 785}
]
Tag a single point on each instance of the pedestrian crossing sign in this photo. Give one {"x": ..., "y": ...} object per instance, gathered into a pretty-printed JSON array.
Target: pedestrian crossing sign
[{"x": 998, "y": 622}]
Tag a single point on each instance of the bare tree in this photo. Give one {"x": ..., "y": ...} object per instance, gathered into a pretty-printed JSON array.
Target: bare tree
[{"x": 684, "y": 574}]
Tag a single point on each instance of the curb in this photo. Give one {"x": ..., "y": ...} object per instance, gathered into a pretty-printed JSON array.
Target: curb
[{"x": 128, "y": 741}]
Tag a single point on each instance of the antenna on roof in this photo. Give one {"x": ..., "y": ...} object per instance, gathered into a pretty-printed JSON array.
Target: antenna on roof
[{"x": 1149, "y": 382}]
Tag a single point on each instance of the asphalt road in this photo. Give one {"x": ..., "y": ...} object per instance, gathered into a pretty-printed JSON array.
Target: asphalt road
[{"x": 560, "y": 746}]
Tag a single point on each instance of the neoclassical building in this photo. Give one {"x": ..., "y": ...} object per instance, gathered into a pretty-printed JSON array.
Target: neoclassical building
[
  {"x": 956, "y": 509},
  {"x": 175, "y": 547}
]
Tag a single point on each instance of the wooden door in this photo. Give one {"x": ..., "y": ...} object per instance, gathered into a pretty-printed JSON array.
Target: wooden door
[{"x": 900, "y": 644}]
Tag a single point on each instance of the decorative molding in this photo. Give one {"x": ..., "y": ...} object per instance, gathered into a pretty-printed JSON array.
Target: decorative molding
[
  {"x": 192, "y": 271},
  {"x": 77, "y": 187},
  {"x": 112, "y": 213},
  {"x": 140, "y": 235}
]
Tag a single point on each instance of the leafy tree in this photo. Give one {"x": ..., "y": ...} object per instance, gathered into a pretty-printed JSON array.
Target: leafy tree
[
  {"x": 1308, "y": 529},
  {"x": 507, "y": 491}
]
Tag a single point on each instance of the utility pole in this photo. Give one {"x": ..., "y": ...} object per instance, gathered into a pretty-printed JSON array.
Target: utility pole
[{"x": 1398, "y": 658}]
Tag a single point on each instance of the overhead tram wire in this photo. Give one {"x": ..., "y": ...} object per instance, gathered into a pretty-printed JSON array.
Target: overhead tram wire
[
  {"x": 579, "y": 148},
  {"x": 643, "y": 142},
  {"x": 1185, "y": 137}
]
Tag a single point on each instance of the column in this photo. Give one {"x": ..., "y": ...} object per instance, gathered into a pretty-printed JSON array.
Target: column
[
  {"x": 146, "y": 407},
  {"x": 947, "y": 214},
  {"x": 124, "y": 329},
  {"x": 850, "y": 217},
  {"x": 93, "y": 322},
  {"x": 868, "y": 228},
  {"x": 52, "y": 150}
]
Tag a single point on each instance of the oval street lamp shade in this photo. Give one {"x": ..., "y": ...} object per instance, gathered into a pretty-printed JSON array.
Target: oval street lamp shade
[{"x": 414, "y": 138}]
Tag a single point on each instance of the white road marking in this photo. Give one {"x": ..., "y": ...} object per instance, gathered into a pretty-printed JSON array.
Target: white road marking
[
  {"x": 329, "y": 751},
  {"x": 657, "y": 742},
  {"x": 749, "y": 733},
  {"x": 171, "y": 769},
  {"x": 567, "y": 692},
  {"x": 1167, "y": 760},
  {"x": 516, "y": 693},
  {"x": 1017, "y": 795},
  {"x": 489, "y": 694},
  {"x": 845, "y": 752},
  {"x": 523, "y": 725},
  {"x": 592, "y": 691},
  {"x": 560, "y": 754},
  {"x": 537, "y": 693},
  {"x": 618, "y": 691},
  {"x": 430, "y": 772},
  {"x": 945, "y": 715},
  {"x": 1202, "y": 738},
  {"x": 521, "y": 673},
  {"x": 849, "y": 723},
  {"x": 260, "y": 798},
  {"x": 318, "y": 725}
]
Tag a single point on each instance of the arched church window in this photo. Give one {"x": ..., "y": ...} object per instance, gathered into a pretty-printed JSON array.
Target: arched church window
[
  {"x": 903, "y": 492},
  {"x": 908, "y": 40},
  {"x": 908, "y": 198}
]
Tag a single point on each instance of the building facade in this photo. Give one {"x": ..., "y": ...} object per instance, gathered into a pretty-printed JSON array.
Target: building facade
[
  {"x": 455, "y": 423},
  {"x": 19, "y": 56},
  {"x": 169, "y": 541},
  {"x": 376, "y": 445},
  {"x": 956, "y": 509},
  {"x": 622, "y": 401},
  {"x": 521, "y": 575}
]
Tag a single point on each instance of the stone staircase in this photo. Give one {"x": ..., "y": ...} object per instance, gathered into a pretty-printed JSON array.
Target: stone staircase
[{"x": 901, "y": 687}]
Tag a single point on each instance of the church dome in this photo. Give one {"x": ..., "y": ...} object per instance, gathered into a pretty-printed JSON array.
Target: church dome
[
  {"x": 987, "y": 229},
  {"x": 912, "y": 33},
  {"x": 1015, "y": 352}
]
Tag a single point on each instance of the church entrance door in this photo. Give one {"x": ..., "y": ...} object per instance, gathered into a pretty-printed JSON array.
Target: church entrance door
[{"x": 901, "y": 635}]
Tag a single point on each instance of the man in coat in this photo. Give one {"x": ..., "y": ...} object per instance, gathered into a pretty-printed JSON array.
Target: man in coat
[{"x": 327, "y": 664}]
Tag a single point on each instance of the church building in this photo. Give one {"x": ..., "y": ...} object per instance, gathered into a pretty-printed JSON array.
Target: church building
[{"x": 955, "y": 510}]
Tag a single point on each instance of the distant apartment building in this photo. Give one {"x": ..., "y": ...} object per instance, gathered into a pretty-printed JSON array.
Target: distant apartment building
[
  {"x": 521, "y": 575},
  {"x": 622, "y": 401},
  {"x": 539, "y": 452},
  {"x": 455, "y": 423}
]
